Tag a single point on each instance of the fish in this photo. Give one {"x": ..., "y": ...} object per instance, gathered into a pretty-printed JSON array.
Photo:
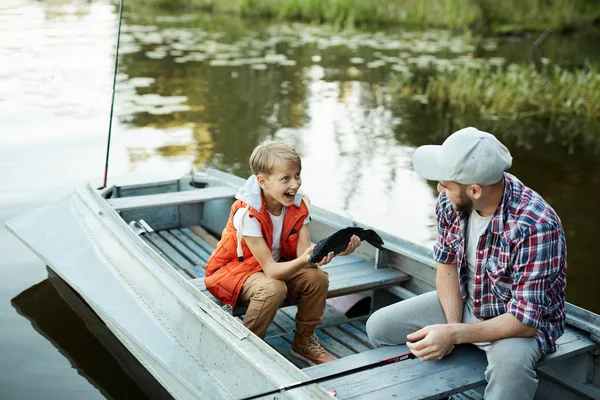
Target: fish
[{"x": 338, "y": 241}]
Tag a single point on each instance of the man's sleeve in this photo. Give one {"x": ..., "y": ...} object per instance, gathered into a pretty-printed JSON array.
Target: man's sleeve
[
  {"x": 443, "y": 253},
  {"x": 539, "y": 259}
]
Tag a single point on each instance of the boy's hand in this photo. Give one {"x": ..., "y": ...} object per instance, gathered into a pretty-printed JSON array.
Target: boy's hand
[
  {"x": 352, "y": 245},
  {"x": 324, "y": 261}
]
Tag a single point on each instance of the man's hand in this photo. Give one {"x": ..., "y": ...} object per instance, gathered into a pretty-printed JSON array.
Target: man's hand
[
  {"x": 433, "y": 342},
  {"x": 352, "y": 245}
]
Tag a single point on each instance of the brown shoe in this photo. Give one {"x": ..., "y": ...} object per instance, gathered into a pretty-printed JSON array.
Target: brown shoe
[{"x": 307, "y": 347}]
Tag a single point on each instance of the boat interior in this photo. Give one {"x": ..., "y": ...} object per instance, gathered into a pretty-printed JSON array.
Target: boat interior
[
  {"x": 186, "y": 243},
  {"x": 181, "y": 220}
]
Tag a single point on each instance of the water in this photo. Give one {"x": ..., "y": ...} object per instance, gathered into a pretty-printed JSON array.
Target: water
[{"x": 199, "y": 91}]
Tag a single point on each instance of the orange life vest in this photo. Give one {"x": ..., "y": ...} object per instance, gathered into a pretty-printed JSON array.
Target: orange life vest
[{"x": 226, "y": 272}]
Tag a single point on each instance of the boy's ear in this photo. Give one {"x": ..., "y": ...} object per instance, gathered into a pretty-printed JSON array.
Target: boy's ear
[{"x": 261, "y": 181}]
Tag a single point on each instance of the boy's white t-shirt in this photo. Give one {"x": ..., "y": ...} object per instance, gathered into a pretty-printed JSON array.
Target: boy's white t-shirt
[{"x": 251, "y": 227}]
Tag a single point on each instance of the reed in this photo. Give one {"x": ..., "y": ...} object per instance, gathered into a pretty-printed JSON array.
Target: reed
[
  {"x": 488, "y": 14},
  {"x": 560, "y": 96}
]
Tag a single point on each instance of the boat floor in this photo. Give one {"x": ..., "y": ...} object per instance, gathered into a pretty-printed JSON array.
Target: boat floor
[{"x": 188, "y": 249}]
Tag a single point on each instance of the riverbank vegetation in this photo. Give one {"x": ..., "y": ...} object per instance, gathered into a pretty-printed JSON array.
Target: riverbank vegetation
[
  {"x": 481, "y": 15},
  {"x": 566, "y": 101}
]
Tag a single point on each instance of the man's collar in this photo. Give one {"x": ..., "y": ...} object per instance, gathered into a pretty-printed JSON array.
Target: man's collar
[{"x": 501, "y": 215}]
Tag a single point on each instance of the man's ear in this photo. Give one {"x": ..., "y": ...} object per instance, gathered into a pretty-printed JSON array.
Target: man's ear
[{"x": 475, "y": 190}]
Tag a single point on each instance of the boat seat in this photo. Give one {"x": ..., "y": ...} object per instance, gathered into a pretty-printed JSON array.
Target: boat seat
[
  {"x": 411, "y": 379},
  {"x": 347, "y": 275},
  {"x": 188, "y": 250},
  {"x": 172, "y": 198}
]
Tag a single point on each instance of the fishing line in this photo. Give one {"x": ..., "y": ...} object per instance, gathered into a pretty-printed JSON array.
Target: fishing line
[
  {"x": 112, "y": 103},
  {"x": 375, "y": 364}
]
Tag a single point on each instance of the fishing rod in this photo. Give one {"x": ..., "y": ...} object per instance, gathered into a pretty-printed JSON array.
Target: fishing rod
[
  {"x": 112, "y": 103},
  {"x": 375, "y": 364}
]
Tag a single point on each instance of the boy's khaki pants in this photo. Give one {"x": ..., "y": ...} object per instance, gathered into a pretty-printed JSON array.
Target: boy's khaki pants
[{"x": 264, "y": 296}]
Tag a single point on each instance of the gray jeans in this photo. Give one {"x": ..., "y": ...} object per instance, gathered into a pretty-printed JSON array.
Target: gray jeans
[{"x": 510, "y": 373}]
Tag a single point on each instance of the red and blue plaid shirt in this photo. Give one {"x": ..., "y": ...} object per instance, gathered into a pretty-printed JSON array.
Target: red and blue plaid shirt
[{"x": 521, "y": 260}]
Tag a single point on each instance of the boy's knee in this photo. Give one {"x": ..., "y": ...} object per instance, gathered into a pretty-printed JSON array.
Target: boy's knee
[
  {"x": 273, "y": 288},
  {"x": 322, "y": 278},
  {"x": 318, "y": 278}
]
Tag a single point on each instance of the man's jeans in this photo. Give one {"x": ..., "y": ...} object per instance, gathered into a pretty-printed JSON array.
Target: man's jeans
[{"x": 510, "y": 373}]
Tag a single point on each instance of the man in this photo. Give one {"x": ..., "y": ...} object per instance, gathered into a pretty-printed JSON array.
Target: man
[{"x": 501, "y": 268}]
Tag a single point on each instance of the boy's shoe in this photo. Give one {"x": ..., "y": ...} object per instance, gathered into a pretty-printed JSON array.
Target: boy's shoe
[{"x": 307, "y": 347}]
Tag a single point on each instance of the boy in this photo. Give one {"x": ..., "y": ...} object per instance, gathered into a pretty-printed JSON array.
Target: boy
[{"x": 262, "y": 256}]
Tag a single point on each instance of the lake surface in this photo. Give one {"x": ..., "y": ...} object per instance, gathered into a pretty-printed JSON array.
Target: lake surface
[{"x": 194, "y": 91}]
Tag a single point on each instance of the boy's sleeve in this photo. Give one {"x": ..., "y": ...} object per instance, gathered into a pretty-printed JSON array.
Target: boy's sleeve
[{"x": 250, "y": 226}]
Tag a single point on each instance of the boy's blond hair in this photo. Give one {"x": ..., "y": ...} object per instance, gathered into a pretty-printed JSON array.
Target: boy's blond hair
[{"x": 270, "y": 154}]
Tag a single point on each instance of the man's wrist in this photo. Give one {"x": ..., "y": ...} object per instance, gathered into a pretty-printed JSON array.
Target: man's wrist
[{"x": 458, "y": 332}]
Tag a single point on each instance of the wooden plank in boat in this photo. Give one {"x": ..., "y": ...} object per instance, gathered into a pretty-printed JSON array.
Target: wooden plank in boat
[
  {"x": 283, "y": 347},
  {"x": 461, "y": 371},
  {"x": 205, "y": 236},
  {"x": 571, "y": 343},
  {"x": 331, "y": 316},
  {"x": 357, "y": 360},
  {"x": 467, "y": 395},
  {"x": 191, "y": 244},
  {"x": 273, "y": 330},
  {"x": 165, "y": 257},
  {"x": 181, "y": 248},
  {"x": 348, "y": 340},
  {"x": 283, "y": 319},
  {"x": 174, "y": 198},
  {"x": 357, "y": 334},
  {"x": 365, "y": 271},
  {"x": 408, "y": 379},
  {"x": 177, "y": 258},
  {"x": 342, "y": 261},
  {"x": 359, "y": 325},
  {"x": 353, "y": 281}
]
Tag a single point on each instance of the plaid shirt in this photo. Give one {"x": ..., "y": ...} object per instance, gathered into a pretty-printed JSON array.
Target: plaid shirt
[{"x": 521, "y": 260}]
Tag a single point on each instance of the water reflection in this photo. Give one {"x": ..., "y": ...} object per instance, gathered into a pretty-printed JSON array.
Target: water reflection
[
  {"x": 61, "y": 316},
  {"x": 196, "y": 90},
  {"x": 239, "y": 82}
]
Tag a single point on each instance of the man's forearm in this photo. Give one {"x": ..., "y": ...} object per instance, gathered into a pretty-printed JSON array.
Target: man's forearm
[
  {"x": 500, "y": 327},
  {"x": 446, "y": 283}
]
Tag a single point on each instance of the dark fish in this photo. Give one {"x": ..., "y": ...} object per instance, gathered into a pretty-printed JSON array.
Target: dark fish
[{"x": 338, "y": 241}]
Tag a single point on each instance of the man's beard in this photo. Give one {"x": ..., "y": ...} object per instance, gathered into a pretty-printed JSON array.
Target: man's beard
[{"x": 464, "y": 204}]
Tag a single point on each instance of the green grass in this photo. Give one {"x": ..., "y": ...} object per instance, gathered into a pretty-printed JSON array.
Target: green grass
[
  {"x": 459, "y": 14},
  {"x": 561, "y": 97}
]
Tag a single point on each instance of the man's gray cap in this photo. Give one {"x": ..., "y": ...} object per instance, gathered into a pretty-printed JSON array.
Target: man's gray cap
[{"x": 468, "y": 156}]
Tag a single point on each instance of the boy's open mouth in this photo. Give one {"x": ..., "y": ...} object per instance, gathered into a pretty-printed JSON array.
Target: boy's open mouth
[{"x": 289, "y": 195}]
